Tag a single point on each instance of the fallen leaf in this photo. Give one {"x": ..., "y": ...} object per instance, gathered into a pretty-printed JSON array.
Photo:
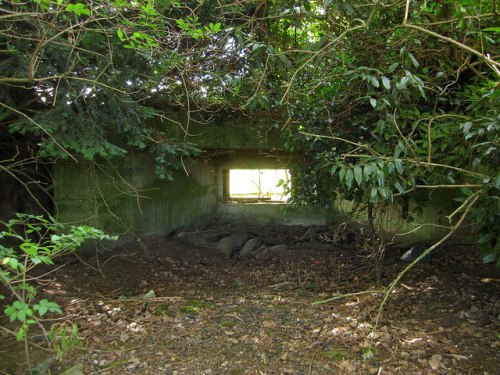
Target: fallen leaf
[
  {"x": 170, "y": 260},
  {"x": 268, "y": 324},
  {"x": 435, "y": 361},
  {"x": 348, "y": 366},
  {"x": 87, "y": 333},
  {"x": 75, "y": 370},
  {"x": 124, "y": 337}
]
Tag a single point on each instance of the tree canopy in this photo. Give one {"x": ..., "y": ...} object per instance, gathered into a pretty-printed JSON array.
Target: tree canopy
[{"x": 381, "y": 101}]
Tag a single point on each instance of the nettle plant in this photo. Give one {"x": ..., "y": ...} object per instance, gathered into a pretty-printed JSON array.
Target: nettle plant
[{"x": 26, "y": 242}]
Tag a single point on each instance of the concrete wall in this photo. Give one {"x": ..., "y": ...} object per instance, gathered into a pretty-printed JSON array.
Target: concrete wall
[
  {"x": 261, "y": 212},
  {"x": 127, "y": 199},
  {"x": 273, "y": 213},
  {"x": 426, "y": 225},
  {"x": 422, "y": 226},
  {"x": 230, "y": 132}
]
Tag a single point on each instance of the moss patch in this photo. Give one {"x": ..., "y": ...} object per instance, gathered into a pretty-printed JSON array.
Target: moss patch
[
  {"x": 194, "y": 307},
  {"x": 335, "y": 355}
]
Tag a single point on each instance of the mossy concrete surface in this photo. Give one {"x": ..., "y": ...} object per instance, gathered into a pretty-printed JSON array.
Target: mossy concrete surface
[
  {"x": 274, "y": 213},
  {"x": 228, "y": 131},
  {"x": 125, "y": 197}
]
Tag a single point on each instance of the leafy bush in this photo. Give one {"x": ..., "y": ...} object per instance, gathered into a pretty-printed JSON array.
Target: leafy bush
[{"x": 26, "y": 242}]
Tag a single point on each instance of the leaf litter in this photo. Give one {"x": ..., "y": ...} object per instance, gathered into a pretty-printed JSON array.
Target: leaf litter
[{"x": 185, "y": 309}]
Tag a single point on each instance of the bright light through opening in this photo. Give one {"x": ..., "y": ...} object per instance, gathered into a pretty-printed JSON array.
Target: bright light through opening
[{"x": 266, "y": 184}]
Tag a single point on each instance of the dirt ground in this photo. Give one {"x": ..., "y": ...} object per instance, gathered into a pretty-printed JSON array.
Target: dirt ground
[{"x": 212, "y": 315}]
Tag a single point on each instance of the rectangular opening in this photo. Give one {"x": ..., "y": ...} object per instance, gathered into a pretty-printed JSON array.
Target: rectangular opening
[{"x": 254, "y": 185}]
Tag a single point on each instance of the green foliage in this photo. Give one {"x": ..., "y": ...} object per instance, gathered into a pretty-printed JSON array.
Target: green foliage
[
  {"x": 89, "y": 129},
  {"x": 26, "y": 242},
  {"x": 378, "y": 128},
  {"x": 193, "y": 28},
  {"x": 169, "y": 157},
  {"x": 78, "y": 9},
  {"x": 380, "y": 105},
  {"x": 64, "y": 337},
  {"x": 76, "y": 76}
]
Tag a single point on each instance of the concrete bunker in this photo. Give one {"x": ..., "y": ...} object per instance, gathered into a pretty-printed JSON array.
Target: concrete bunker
[{"x": 126, "y": 198}]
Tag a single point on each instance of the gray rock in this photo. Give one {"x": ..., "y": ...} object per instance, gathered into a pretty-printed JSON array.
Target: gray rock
[
  {"x": 75, "y": 370},
  {"x": 239, "y": 239},
  {"x": 261, "y": 253},
  {"x": 150, "y": 294},
  {"x": 230, "y": 244},
  {"x": 250, "y": 246},
  {"x": 414, "y": 253},
  {"x": 226, "y": 246},
  {"x": 278, "y": 248},
  {"x": 43, "y": 368},
  {"x": 258, "y": 250}
]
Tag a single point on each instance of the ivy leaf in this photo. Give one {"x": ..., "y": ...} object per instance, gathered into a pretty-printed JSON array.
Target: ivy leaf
[
  {"x": 358, "y": 174},
  {"x": 373, "y": 102},
  {"x": 29, "y": 248},
  {"x": 18, "y": 311},
  {"x": 11, "y": 312},
  {"x": 381, "y": 178},
  {"x": 399, "y": 165},
  {"x": 342, "y": 174},
  {"x": 393, "y": 67},
  {"x": 44, "y": 259},
  {"x": 398, "y": 186},
  {"x": 374, "y": 81},
  {"x": 386, "y": 82},
  {"x": 382, "y": 192},
  {"x": 367, "y": 171},
  {"x": 413, "y": 60},
  {"x": 349, "y": 178}
]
